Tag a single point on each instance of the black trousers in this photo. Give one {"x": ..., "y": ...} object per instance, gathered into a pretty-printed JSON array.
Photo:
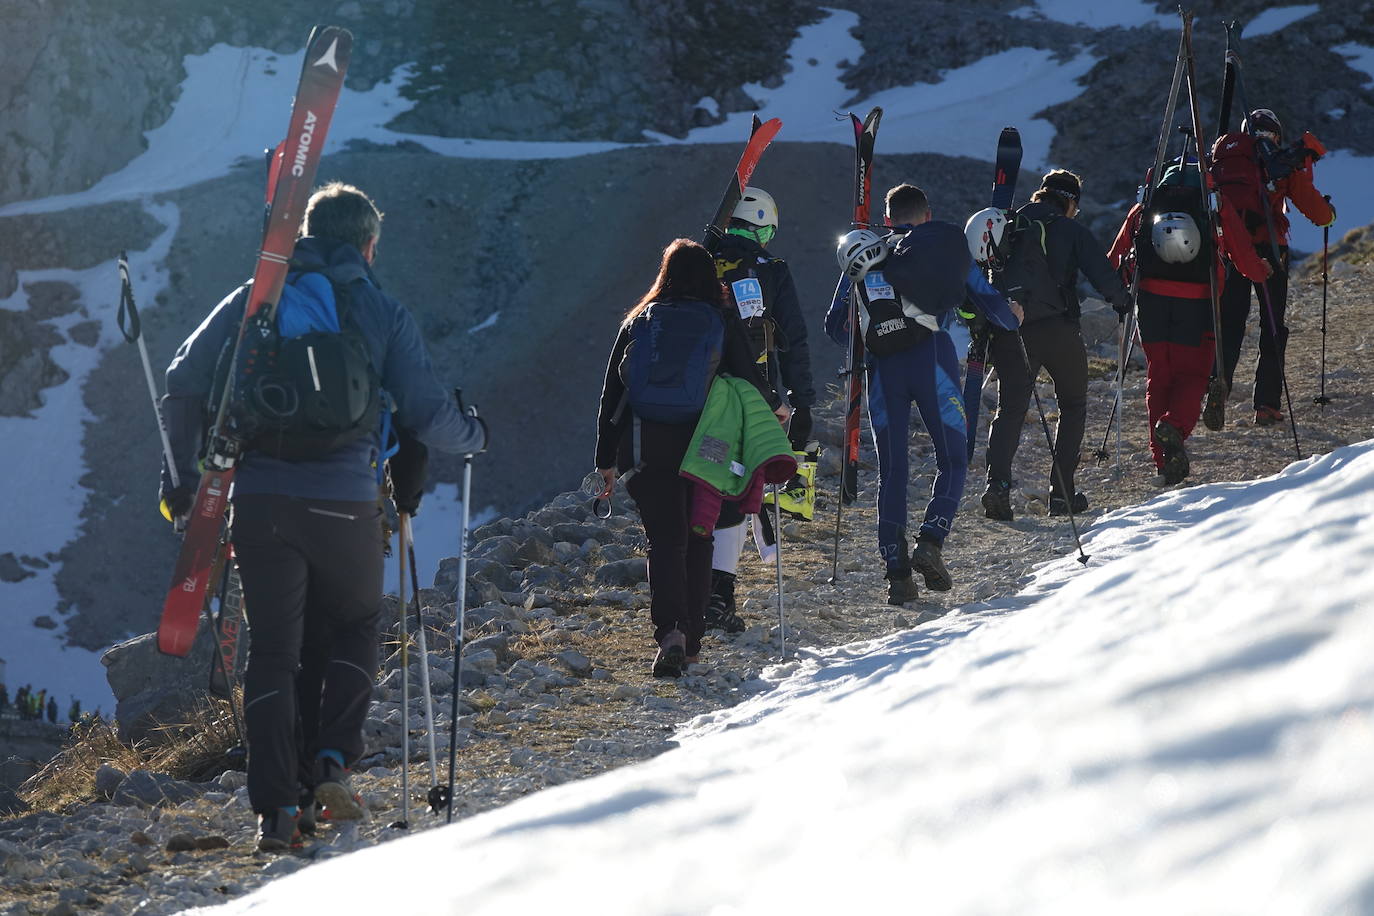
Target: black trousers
[
  {"x": 1273, "y": 341},
  {"x": 679, "y": 561},
  {"x": 312, "y": 587},
  {"x": 1056, "y": 344}
]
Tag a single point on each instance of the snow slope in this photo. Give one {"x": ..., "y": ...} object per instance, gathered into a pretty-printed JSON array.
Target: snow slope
[{"x": 1185, "y": 725}]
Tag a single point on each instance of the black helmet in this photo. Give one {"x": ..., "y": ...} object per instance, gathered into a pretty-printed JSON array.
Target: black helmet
[{"x": 1262, "y": 121}]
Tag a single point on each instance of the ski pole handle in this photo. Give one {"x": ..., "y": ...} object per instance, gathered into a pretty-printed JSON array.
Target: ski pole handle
[{"x": 129, "y": 324}]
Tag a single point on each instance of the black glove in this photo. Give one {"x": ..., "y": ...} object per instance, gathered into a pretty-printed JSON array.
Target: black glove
[
  {"x": 1122, "y": 304},
  {"x": 409, "y": 472},
  {"x": 800, "y": 431},
  {"x": 176, "y": 502}
]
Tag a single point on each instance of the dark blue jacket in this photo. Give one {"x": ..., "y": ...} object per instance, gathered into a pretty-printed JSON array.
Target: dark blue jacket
[
  {"x": 931, "y": 268},
  {"x": 398, "y": 354}
]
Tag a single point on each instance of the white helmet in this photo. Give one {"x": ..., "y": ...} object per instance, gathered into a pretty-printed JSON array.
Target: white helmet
[
  {"x": 859, "y": 251},
  {"x": 1176, "y": 237},
  {"x": 984, "y": 231},
  {"x": 757, "y": 208}
]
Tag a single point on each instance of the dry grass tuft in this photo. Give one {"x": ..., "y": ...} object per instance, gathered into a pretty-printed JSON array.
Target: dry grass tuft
[{"x": 194, "y": 750}]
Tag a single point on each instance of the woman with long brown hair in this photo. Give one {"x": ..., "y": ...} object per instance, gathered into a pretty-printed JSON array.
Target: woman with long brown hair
[{"x": 679, "y": 561}]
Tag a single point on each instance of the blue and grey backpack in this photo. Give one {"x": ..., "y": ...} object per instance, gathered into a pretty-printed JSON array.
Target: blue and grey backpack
[{"x": 674, "y": 351}]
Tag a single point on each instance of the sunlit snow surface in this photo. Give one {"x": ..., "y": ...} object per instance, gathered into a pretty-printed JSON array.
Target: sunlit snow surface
[{"x": 1185, "y": 725}]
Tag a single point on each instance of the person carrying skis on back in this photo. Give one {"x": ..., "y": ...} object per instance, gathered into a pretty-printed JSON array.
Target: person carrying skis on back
[
  {"x": 1044, "y": 250},
  {"x": 909, "y": 285},
  {"x": 307, "y": 532},
  {"x": 1255, "y": 173},
  {"x": 761, "y": 288},
  {"x": 684, "y": 328},
  {"x": 1174, "y": 254}
]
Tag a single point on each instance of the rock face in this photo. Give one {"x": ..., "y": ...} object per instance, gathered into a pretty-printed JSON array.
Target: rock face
[
  {"x": 153, "y": 689},
  {"x": 83, "y": 80}
]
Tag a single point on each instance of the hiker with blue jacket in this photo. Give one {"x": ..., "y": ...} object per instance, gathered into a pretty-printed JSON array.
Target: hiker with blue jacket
[
  {"x": 307, "y": 531},
  {"x": 910, "y": 284},
  {"x": 683, "y": 329}
]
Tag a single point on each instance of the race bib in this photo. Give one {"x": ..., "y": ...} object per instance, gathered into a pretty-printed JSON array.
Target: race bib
[
  {"x": 877, "y": 286},
  {"x": 748, "y": 297}
]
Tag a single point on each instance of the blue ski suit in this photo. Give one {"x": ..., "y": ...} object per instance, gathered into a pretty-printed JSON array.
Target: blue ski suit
[{"x": 931, "y": 271}]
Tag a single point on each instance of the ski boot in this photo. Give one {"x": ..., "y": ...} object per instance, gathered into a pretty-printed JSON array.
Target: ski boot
[
  {"x": 1175, "y": 457},
  {"x": 901, "y": 587},
  {"x": 927, "y": 560},
  {"x": 997, "y": 500},
  {"x": 1058, "y": 505},
  {"x": 720, "y": 609},
  {"x": 671, "y": 660}
]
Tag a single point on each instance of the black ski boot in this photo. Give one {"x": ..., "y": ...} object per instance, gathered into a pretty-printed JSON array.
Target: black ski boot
[
  {"x": 671, "y": 660},
  {"x": 927, "y": 560},
  {"x": 277, "y": 831},
  {"x": 1214, "y": 413},
  {"x": 1059, "y": 507},
  {"x": 720, "y": 609},
  {"x": 901, "y": 587},
  {"x": 997, "y": 500},
  {"x": 1175, "y": 457}
]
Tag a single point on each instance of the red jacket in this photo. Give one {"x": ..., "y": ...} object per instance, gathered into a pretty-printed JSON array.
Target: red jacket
[
  {"x": 1234, "y": 245},
  {"x": 1299, "y": 188}
]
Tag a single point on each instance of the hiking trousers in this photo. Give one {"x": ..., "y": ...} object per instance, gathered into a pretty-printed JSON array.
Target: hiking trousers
[
  {"x": 926, "y": 375},
  {"x": 1179, "y": 352},
  {"x": 1056, "y": 344},
  {"x": 311, "y": 570},
  {"x": 1273, "y": 338}
]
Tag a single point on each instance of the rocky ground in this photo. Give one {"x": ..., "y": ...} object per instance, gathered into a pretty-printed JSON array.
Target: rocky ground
[{"x": 556, "y": 685}]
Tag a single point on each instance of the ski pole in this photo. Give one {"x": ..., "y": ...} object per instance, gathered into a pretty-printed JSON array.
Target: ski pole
[
  {"x": 408, "y": 535},
  {"x": 1322, "y": 399},
  {"x": 404, "y": 823},
  {"x": 443, "y": 797},
  {"x": 1280, "y": 346},
  {"x": 1054, "y": 458},
  {"x": 847, "y": 375},
  {"x": 132, "y": 329},
  {"x": 777, "y": 554}
]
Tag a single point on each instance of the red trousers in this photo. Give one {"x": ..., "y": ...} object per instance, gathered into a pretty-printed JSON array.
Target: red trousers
[{"x": 1175, "y": 382}]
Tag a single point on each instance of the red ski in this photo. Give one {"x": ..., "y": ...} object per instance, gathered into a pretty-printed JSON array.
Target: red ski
[
  {"x": 326, "y": 60},
  {"x": 761, "y": 136}
]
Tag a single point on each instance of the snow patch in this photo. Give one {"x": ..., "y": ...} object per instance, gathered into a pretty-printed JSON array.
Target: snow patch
[
  {"x": 1276, "y": 18},
  {"x": 489, "y": 321},
  {"x": 1345, "y": 176},
  {"x": 435, "y": 529},
  {"x": 1095, "y": 14},
  {"x": 1358, "y": 57},
  {"x": 42, "y": 494},
  {"x": 1127, "y": 740}
]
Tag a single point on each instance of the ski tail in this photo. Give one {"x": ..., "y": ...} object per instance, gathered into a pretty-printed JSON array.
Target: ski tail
[
  {"x": 759, "y": 138},
  {"x": 1006, "y": 168},
  {"x": 228, "y": 623},
  {"x": 326, "y": 61}
]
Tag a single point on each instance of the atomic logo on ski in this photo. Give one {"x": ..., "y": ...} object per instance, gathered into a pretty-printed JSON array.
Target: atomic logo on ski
[{"x": 327, "y": 58}]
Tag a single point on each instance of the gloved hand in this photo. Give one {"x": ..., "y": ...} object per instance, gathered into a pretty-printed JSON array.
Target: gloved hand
[
  {"x": 800, "y": 431},
  {"x": 1122, "y": 304},
  {"x": 176, "y": 502},
  {"x": 409, "y": 472}
]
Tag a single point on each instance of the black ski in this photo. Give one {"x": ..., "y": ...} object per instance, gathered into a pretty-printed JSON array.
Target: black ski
[{"x": 1005, "y": 169}]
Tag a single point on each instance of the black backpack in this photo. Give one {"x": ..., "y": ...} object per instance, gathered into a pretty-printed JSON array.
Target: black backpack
[
  {"x": 304, "y": 384},
  {"x": 1027, "y": 276},
  {"x": 1179, "y": 191},
  {"x": 674, "y": 351}
]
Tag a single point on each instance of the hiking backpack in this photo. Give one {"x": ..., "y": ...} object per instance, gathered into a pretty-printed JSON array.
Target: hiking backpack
[
  {"x": 671, "y": 359},
  {"x": 1179, "y": 191},
  {"x": 1027, "y": 276},
  {"x": 889, "y": 328},
  {"x": 304, "y": 384},
  {"x": 1237, "y": 175}
]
